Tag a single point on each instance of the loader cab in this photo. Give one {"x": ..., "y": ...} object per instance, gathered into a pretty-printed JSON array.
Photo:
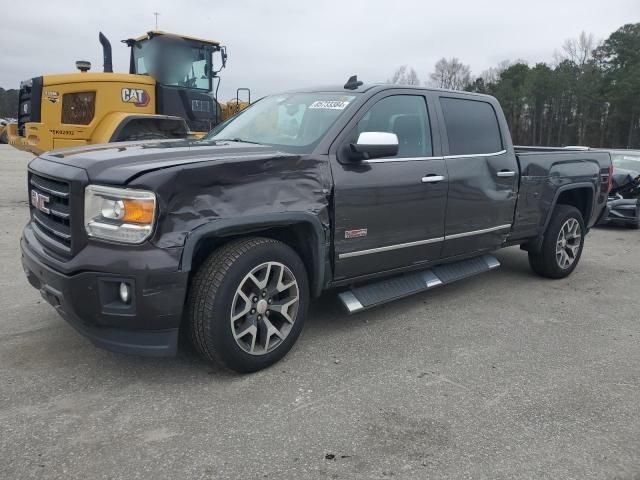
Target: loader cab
[{"x": 186, "y": 73}]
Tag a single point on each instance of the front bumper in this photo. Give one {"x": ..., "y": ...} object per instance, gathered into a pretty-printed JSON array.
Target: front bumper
[
  {"x": 21, "y": 143},
  {"x": 86, "y": 295}
]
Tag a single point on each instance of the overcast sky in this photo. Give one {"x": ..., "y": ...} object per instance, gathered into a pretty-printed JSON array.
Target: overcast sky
[{"x": 280, "y": 44}]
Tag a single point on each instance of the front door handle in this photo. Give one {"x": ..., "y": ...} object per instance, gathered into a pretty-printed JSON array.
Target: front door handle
[
  {"x": 506, "y": 173},
  {"x": 432, "y": 178}
]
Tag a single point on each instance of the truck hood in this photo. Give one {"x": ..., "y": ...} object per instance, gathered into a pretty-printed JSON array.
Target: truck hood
[{"x": 118, "y": 163}]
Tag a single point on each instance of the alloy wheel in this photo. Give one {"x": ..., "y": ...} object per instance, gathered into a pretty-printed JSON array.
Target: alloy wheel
[
  {"x": 568, "y": 243},
  {"x": 264, "y": 308}
]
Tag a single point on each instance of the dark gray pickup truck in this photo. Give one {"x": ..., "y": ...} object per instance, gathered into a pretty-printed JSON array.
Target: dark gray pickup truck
[{"x": 375, "y": 191}]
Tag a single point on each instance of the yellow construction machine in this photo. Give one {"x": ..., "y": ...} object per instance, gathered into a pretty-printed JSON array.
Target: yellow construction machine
[{"x": 169, "y": 92}]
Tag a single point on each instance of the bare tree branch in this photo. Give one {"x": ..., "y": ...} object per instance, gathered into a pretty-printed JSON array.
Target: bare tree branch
[
  {"x": 451, "y": 74},
  {"x": 404, "y": 75}
]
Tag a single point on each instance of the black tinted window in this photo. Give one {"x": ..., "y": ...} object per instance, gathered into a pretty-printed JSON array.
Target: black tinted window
[
  {"x": 472, "y": 127},
  {"x": 404, "y": 115}
]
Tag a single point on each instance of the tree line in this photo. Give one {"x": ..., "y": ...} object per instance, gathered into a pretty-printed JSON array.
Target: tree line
[
  {"x": 8, "y": 103},
  {"x": 589, "y": 95}
]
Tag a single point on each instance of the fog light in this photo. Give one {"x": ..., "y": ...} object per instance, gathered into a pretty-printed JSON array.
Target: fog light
[{"x": 124, "y": 292}]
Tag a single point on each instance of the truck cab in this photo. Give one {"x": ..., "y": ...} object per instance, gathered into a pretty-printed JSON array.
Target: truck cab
[{"x": 184, "y": 73}]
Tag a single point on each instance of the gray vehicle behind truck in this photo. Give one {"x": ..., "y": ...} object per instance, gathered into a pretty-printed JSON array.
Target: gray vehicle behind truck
[{"x": 375, "y": 191}]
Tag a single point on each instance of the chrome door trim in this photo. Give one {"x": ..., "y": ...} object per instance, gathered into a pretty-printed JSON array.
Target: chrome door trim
[
  {"x": 357, "y": 253},
  {"x": 477, "y": 155},
  {"x": 478, "y": 232},
  {"x": 506, "y": 174},
  {"x": 401, "y": 159},
  {"x": 413, "y": 159}
]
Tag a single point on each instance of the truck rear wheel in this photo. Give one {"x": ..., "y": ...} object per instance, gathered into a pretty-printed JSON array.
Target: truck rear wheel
[
  {"x": 562, "y": 244},
  {"x": 247, "y": 304}
]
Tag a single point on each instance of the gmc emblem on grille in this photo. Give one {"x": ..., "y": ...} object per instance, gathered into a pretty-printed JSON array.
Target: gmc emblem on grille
[{"x": 39, "y": 201}]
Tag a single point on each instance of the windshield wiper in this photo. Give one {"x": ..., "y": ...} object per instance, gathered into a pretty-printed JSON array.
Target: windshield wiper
[{"x": 238, "y": 140}]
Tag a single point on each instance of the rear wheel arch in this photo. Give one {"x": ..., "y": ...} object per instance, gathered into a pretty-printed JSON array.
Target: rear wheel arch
[
  {"x": 575, "y": 194},
  {"x": 579, "y": 197},
  {"x": 304, "y": 233}
]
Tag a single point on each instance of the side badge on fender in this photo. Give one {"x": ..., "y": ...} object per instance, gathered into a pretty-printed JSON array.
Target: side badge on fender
[{"x": 360, "y": 232}]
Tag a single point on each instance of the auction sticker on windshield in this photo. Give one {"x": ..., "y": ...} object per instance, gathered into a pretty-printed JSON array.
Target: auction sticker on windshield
[{"x": 329, "y": 104}]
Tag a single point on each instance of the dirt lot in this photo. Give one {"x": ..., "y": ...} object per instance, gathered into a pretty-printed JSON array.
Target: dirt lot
[{"x": 505, "y": 375}]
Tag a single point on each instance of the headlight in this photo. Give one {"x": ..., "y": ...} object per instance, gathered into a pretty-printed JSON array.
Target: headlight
[{"x": 119, "y": 214}]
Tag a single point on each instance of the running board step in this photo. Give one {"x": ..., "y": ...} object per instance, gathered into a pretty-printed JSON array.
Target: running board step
[{"x": 367, "y": 296}]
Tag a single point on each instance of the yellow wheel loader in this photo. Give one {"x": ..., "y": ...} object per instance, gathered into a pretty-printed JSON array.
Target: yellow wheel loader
[{"x": 169, "y": 92}]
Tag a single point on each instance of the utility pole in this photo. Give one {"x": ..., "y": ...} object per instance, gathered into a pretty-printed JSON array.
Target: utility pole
[{"x": 156, "y": 14}]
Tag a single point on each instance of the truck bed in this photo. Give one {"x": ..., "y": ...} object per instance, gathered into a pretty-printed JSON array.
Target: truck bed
[{"x": 544, "y": 171}]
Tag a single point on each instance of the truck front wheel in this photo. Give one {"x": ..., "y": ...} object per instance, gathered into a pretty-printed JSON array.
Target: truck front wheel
[
  {"x": 562, "y": 244},
  {"x": 247, "y": 303}
]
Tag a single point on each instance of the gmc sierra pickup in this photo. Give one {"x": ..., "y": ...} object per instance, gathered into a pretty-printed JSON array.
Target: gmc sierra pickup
[{"x": 377, "y": 191}]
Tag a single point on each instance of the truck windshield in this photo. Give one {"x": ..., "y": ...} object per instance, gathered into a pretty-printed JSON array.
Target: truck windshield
[{"x": 296, "y": 120}]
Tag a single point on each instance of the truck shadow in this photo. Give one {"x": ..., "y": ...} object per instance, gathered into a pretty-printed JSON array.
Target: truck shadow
[
  {"x": 328, "y": 311},
  {"x": 612, "y": 227},
  {"x": 328, "y": 317},
  {"x": 327, "y": 322}
]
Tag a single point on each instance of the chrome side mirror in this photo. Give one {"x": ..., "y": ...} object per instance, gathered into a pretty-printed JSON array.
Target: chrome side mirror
[{"x": 375, "y": 145}]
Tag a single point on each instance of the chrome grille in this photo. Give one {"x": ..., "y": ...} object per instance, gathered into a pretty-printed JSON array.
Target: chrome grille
[{"x": 50, "y": 211}]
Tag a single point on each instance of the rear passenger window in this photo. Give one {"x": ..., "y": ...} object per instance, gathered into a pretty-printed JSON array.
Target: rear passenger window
[
  {"x": 404, "y": 115},
  {"x": 472, "y": 126}
]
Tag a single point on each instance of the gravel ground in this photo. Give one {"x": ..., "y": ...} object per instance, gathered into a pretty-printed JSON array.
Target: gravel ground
[{"x": 505, "y": 375}]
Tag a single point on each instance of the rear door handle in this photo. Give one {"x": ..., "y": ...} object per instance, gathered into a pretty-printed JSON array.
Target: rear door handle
[
  {"x": 506, "y": 173},
  {"x": 432, "y": 178}
]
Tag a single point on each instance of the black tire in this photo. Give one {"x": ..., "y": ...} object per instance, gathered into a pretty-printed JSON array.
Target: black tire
[
  {"x": 545, "y": 262},
  {"x": 633, "y": 226},
  {"x": 141, "y": 131},
  {"x": 210, "y": 298}
]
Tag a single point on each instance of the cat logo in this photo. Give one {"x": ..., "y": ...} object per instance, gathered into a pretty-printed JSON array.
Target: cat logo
[{"x": 137, "y": 96}]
